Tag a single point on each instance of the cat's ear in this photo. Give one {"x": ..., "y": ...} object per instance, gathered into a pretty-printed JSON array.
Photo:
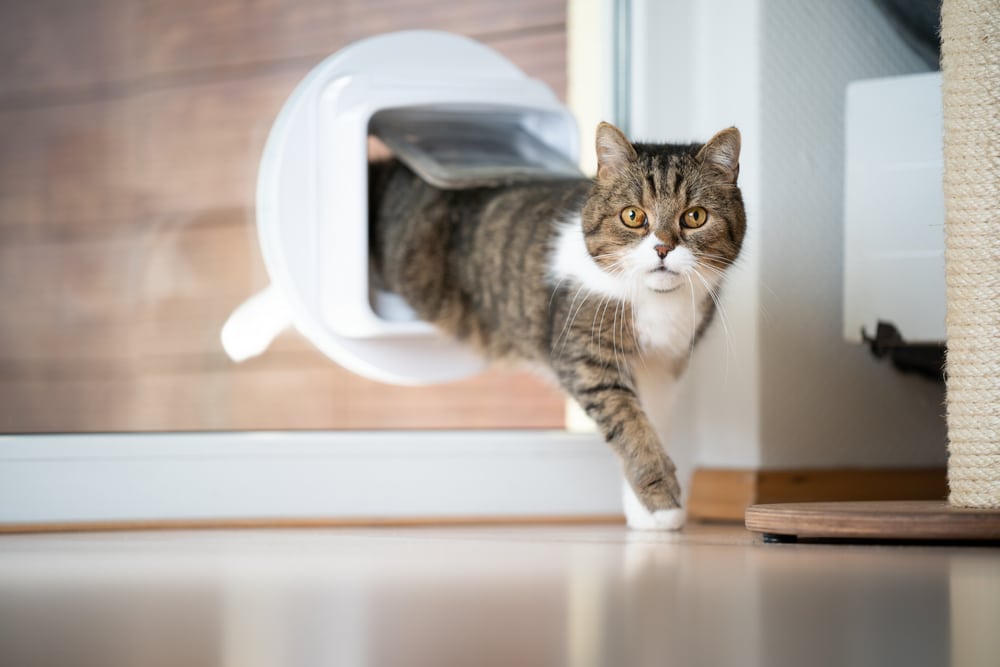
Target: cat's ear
[
  {"x": 614, "y": 151},
  {"x": 723, "y": 152}
]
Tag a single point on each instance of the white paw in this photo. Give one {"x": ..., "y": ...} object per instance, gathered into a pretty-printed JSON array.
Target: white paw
[{"x": 640, "y": 518}]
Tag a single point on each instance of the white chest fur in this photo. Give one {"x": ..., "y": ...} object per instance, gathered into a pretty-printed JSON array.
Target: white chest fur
[{"x": 667, "y": 322}]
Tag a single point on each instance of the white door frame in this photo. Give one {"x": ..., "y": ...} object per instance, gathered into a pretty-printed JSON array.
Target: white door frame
[{"x": 328, "y": 476}]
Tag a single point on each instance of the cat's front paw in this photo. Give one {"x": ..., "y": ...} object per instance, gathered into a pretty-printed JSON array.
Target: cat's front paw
[{"x": 641, "y": 518}]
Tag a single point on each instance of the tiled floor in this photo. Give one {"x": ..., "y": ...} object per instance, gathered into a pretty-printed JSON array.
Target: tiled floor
[{"x": 512, "y": 596}]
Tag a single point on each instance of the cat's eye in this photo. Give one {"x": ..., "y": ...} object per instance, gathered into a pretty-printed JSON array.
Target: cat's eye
[
  {"x": 633, "y": 216},
  {"x": 694, "y": 217}
]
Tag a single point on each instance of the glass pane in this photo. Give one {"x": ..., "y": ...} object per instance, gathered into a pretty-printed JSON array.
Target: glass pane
[{"x": 131, "y": 133}]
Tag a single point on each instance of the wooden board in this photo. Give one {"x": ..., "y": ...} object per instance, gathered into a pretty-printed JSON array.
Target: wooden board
[
  {"x": 720, "y": 494},
  {"x": 890, "y": 520}
]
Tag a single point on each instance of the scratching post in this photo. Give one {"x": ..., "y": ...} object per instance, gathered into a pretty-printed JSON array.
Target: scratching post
[{"x": 970, "y": 51}]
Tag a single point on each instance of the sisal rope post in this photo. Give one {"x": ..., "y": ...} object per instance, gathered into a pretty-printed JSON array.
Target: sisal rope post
[{"x": 970, "y": 52}]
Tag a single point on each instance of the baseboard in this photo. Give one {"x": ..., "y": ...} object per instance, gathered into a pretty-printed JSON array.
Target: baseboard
[
  {"x": 174, "y": 480},
  {"x": 286, "y": 523},
  {"x": 720, "y": 494}
]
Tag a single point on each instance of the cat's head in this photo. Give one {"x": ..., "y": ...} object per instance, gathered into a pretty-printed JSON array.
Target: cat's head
[{"x": 662, "y": 217}]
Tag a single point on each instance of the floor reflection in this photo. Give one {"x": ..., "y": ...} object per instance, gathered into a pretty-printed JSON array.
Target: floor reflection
[{"x": 490, "y": 596}]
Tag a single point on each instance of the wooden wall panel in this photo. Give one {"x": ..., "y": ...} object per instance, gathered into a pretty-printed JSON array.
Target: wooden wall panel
[
  {"x": 48, "y": 45},
  {"x": 194, "y": 34},
  {"x": 541, "y": 55},
  {"x": 64, "y": 301},
  {"x": 164, "y": 291},
  {"x": 131, "y": 134},
  {"x": 302, "y": 391},
  {"x": 64, "y": 403},
  {"x": 203, "y": 142},
  {"x": 316, "y": 396},
  {"x": 64, "y": 165},
  {"x": 190, "y": 278}
]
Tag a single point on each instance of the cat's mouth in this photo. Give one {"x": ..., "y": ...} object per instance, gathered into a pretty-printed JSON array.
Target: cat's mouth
[{"x": 662, "y": 280}]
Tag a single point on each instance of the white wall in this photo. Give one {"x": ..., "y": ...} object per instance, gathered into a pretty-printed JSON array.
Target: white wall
[
  {"x": 782, "y": 389},
  {"x": 695, "y": 72},
  {"x": 825, "y": 401}
]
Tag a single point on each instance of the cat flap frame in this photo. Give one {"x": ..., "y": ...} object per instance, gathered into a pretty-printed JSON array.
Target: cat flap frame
[{"x": 312, "y": 192}]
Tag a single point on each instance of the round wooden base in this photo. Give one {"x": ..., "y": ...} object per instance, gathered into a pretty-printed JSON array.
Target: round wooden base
[{"x": 918, "y": 520}]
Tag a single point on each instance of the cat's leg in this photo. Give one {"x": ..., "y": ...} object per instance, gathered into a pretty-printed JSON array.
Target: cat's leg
[
  {"x": 610, "y": 399},
  {"x": 656, "y": 383}
]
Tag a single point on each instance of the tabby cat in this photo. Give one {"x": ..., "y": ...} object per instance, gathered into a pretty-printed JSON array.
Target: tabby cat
[{"x": 608, "y": 282}]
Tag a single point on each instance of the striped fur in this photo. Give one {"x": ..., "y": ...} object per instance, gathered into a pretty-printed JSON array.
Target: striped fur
[{"x": 547, "y": 273}]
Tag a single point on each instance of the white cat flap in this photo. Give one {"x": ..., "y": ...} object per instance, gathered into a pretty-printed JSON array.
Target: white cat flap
[{"x": 456, "y": 112}]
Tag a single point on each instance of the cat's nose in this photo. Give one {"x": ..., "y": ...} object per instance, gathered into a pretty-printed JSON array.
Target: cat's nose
[{"x": 662, "y": 249}]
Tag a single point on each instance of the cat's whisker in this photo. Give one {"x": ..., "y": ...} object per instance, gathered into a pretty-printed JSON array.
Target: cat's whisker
[
  {"x": 706, "y": 259},
  {"x": 719, "y": 264},
  {"x": 570, "y": 316},
  {"x": 572, "y": 320},
  {"x": 555, "y": 290},
  {"x": 633, "y": 294},
  {"x": 715, "y": 271},
  {"x": 618, "y": 341},
  {"x": 623, "y": 340},
  {"x": 707, "y": 262},
  {"x": 601, "y": 309},
  {"x": 593, "y": 323},
  {"x": 711, "y": 286},
  {"x": 720, "y": 258},
  {"x": 616, "y": 268},
  {"x": 614, "y": 333},
  {"x": 722, "y": 316},
  {"x": 694, "y": 316},
  {"x": 723, "y": 273}
]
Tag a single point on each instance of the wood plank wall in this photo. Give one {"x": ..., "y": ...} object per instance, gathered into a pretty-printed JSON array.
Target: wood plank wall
[{"x": 129, "y": 139}]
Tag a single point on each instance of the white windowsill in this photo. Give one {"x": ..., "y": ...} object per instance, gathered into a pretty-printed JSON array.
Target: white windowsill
[{"x": 348, "y": 475}]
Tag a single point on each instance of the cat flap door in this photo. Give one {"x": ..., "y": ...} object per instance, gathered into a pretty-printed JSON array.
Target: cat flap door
[
  {"x": 456, "y": 112},
  {"x": 466, "y": 148}
]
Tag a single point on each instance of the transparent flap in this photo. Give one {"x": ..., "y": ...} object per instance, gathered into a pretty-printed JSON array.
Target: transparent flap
[{"x": 454, "y": 149}]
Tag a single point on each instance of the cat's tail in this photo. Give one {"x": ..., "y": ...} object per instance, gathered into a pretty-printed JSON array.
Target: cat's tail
[{"x": 254, "y": 325}]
